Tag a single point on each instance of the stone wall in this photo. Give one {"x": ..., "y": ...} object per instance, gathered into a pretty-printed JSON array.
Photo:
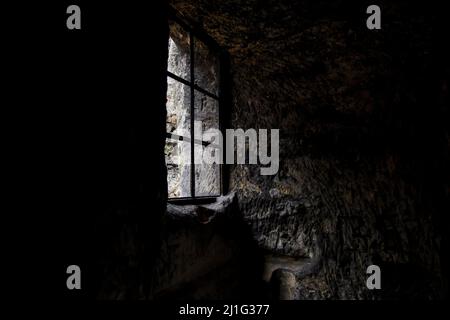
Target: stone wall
[
  {"x": 363, "y": 176},
  {"x": 201, "y": 259}
]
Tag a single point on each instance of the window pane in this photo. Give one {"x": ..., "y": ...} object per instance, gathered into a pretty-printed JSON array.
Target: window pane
[
  {"x": 206, "y": 111},
  {"x": 207, "y": 174},
  {"x": 207, "y": 179},
  {"x": 178, "y": 157},
  {"x": 179, "y": 52},
  {"x": 206, "y": 68},
  {"x": 178, "y": 153},
  {"x": 178, "y": 108}
]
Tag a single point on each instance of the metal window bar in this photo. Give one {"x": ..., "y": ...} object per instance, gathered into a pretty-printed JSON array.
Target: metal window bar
[
  {"x": 196, "y": 87},
  {"x": 191, "y": 43},
  {"x": 177, "y": 137}
]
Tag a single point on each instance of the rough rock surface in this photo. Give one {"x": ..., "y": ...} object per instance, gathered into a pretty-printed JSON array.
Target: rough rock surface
[
  {"x": 201, "y": 259},
  {"x": 363, "y": 147}
]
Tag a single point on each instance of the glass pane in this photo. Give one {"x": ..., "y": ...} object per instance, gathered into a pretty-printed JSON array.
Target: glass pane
[
  {"x": 179, "y": 52},
  {"x": 178, "y": 108},
  {"x": 207, "y": 179},
  {"x": 206, "y": 68},
  {"x": 178, "y": 149},
  {"x": 178, "y": 158},
  {"x": 207, "y": 146},
  {"x": 206, "y": 111}
]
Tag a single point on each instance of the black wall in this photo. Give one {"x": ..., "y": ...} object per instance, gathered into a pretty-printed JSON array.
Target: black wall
[{"x": 87, "y": 112}]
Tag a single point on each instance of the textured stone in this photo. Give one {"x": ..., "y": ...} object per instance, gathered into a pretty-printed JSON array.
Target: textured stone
[
  {"x": 201, "y": 259},
  {"x": 359, "y": 129},
  {"x": 284, "y": 284}
]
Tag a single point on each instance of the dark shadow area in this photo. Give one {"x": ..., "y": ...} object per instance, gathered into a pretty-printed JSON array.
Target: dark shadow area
[{"x": 209, "y": 259}]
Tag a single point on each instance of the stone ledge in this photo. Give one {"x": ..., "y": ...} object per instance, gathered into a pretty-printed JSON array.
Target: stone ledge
[{"x": 202, "y": 213}]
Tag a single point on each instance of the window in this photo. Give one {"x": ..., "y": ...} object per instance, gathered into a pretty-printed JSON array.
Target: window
[{"x": 193, "y": 103}]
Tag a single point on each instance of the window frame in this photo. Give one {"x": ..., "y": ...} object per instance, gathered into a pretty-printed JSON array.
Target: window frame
[{"x": 222, "y": 98}]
